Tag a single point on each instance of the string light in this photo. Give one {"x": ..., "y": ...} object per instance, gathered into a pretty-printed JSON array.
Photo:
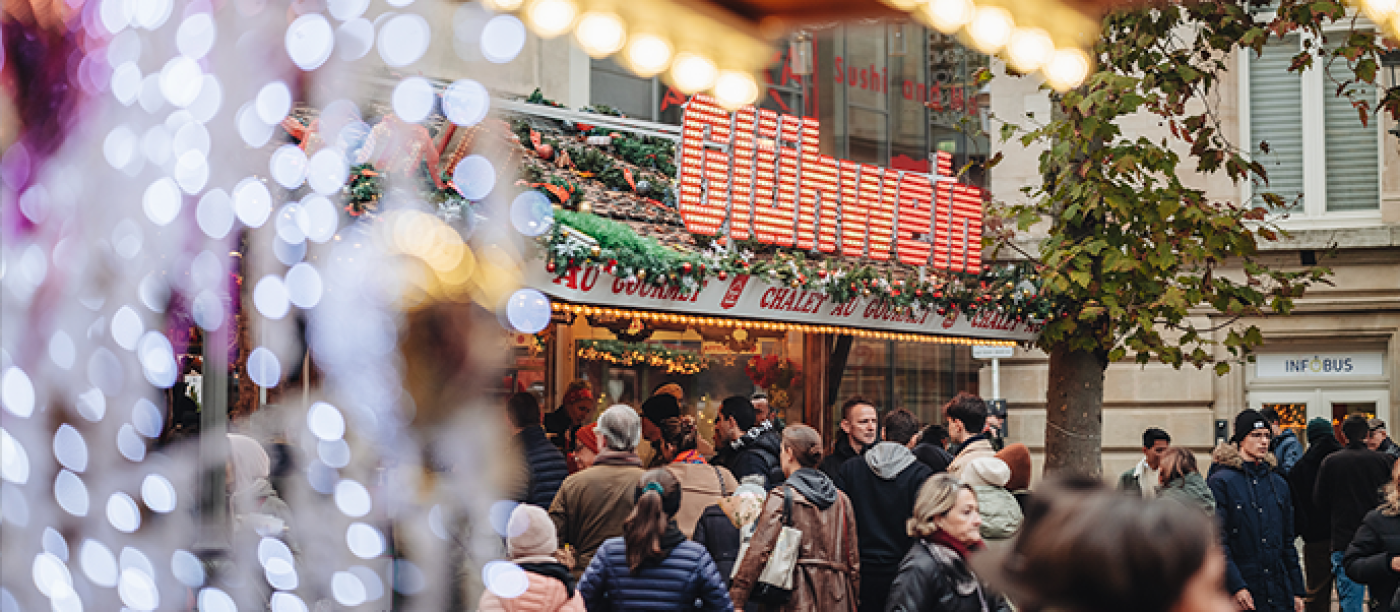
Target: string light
[
  {"x": 692, "y": 321},
  {"x": 692, "y": 72},
  {"x": 550, "y": 18},
  {"x": 600, "y": 34}
]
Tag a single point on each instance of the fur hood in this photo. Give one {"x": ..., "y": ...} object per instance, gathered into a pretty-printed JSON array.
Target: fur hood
[{"x": 1228, "y": 455}]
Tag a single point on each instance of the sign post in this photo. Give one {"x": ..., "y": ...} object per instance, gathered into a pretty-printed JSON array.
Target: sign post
[{"x": 996, "y": 354}]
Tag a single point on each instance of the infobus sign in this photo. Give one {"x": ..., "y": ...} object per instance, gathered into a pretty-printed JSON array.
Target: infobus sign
[{"x": 756, "y": 175}]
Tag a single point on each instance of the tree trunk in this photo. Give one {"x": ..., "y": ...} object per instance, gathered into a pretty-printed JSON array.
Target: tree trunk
[{"x": 1074, "y": 412}]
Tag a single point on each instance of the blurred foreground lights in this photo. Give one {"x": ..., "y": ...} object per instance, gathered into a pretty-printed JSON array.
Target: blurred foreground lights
[
  {"x": 692, "y": 73},
  {"x": 286, "y": 602},
  {"x": 990, "y": 29},
  {"x": 352, "y": 498},
  {"x": 1380, "y": 11},
  {"x": 98, "y": 563},
  {"x": 528, "y": 311},
  {"x": 14, "y": 462},
  {"x": 734, "y": 89},
  {"x": 309, "y": 42},
  {"x": 187, "y": 568},
  {"x": 648, "y": 55},
  {"x": 158, "y": 493},
  {"x": 466, "y": 102},
  {"x": 1067, "y": 69},
  {"x": 474, "y": 177},
  {"x": 502, "y": 39},
  {"x": 600, "y": 34},
  {"x": 413, "y": 99},
  {"x": 531, "y": 213},
  {"x": 1029, "y": 49},
  {"x": 949, "y": 15},
  {"x": 122, "y": 513},
  {"x": 325, "y": 421},
  {"x": 403, "y": 39},
  {"x": 215, "y": 600},
  {"x": 364, "y": 541},
  {"x": 550, "y": 18},
  {"x": 17, "y": 392},
  {"x": 503, "y": 6},
  {"x": 505, "y": 579},
  {"x": 264, "y": 368}
]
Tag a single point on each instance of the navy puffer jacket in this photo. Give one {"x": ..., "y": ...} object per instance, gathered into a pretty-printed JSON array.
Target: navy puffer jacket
[
  {"x": 546, "y": 465},
  {"x": 1255, "y": 511},
  {"x": 686, "y": 580}
]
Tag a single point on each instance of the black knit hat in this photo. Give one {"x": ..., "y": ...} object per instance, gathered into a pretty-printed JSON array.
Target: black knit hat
[
  {"x": 660, "y": 407},
  {"x": 1248, "y": 421}
]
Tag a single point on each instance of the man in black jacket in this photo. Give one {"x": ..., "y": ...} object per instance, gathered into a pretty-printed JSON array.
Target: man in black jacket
[
  {"x": 883, "y": 487},
  {"x": 753, "y": 447},
  {"x": 1311, "y": 521},
  {"x": 1348, "y": 485},
  {"x": 545, "y": 468},
  {"x": 860, "y": 424}
]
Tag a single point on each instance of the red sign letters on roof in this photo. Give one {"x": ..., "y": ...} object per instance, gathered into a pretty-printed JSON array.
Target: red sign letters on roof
[{"x": 756, "y": 175}]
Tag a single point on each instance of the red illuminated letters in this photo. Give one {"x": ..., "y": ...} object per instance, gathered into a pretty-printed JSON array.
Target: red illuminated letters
[{"x": 755, "y": 174}]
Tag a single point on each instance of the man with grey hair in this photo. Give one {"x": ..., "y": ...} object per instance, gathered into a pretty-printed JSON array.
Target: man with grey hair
[{"x": 593, "y": 503}]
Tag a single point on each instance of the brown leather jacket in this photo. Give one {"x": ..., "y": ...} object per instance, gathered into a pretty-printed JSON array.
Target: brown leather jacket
[{"x": 828, "y": 569}]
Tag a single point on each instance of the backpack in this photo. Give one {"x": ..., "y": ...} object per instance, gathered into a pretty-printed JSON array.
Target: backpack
[{"x": 775, "y": 473}]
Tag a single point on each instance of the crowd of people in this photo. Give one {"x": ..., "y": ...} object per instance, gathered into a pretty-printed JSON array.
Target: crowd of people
[{"x": 897, "y": 515}]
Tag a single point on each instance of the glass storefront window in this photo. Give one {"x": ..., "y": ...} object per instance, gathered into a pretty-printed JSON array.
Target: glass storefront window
[{"x": 917, "y": 377}]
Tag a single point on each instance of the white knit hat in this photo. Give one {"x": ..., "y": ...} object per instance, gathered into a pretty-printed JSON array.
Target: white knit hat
[
  {"x": 531, "y": 535},
  {"x": 987, "y": 471}
]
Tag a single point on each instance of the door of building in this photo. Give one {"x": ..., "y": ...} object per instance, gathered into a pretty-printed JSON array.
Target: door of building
[{"x": 1299, "y": 406}]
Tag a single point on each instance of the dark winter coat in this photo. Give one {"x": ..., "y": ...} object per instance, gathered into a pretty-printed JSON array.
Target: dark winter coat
[
  {"x": 717, "y": 533},
  {"x": 1367, "y": 559},
  {"x": 934, "y": 456},
  {"x": 1349, "y": 485},
  {"x": 882, "y": 488},
  {"x": 757, "y": 453},
  {"x": 1311, "y": 520},
  {"x": 1389, "y": 447},
  {"x": 686, "y": 579},
  {"x": 934, "y": 577},
  {"x": 561, "y": 429},
  {"x": 546, "y": 466},
  {"x": 1255, "y": 511},
  {"x": 840, "y": 454},
  {"x": 1288, "y": 450}
]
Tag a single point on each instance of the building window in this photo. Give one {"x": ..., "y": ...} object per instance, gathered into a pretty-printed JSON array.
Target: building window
[{"x": 1317, "y": 154}]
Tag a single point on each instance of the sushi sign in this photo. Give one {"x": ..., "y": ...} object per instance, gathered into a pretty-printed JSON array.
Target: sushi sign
[{"x": 756, "y": 175}]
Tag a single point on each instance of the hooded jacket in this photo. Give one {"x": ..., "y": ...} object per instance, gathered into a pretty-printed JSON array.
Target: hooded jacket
[
  {"x": 827, "y": 577},
  {"x": 1191, "y": 490},
  {"x": 701, "y": 486},
  {"x": 756, "y": 452},
  {"x": 1288, "y": 450},
  {"x": 545, "y": 465},
  {"x": 1001, "y": 515},
  {"x": 1255, "y": 512},
  {"x": 1349, "y": 484},
  {"x": 1311, "y": 520},
  {"x": 882, "y": 488},
  {"x": 975, "y": 447}
]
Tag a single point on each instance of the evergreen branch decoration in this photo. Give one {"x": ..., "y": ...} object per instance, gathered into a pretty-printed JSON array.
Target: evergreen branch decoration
[
  {"x": 1012, "y": 290},
  {"x": 629, "y": 354}
]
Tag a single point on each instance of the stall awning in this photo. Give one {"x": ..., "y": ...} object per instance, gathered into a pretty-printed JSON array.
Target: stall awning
[{"x": 748, "y": 298}]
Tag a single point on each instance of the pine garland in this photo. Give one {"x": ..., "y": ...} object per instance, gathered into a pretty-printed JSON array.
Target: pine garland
[
  {"x": 629, "y": 354},
  {"x": 580, "y": 240}
]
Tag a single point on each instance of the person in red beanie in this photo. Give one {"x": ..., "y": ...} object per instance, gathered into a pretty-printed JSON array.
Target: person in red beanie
[{"x": 585, "y": 449}]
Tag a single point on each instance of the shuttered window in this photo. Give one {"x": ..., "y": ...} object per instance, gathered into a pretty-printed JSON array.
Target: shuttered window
[
  {"x": 1353, "y": 173},
  {"x": 1276, "y": 121},
  {"x": 1316, "y": 145}
]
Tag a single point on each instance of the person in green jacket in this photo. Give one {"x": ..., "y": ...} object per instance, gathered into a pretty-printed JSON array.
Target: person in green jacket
[{"x": 1182, "y": 481}]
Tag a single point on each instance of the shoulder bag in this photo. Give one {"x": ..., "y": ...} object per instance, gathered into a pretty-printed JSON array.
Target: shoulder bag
[{"x": 774, "y": 585}]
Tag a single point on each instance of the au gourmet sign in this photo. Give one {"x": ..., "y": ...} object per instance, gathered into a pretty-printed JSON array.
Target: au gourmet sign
[
  {"x": 756, "y": 175},
  {"x": 747, "y": 297}
]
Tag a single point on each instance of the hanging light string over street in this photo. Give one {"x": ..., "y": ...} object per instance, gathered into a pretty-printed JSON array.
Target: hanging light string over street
[{"x": 691, "y": 48}]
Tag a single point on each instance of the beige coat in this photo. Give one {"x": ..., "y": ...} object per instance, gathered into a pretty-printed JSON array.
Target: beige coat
[
  {"x": 544, "y": 594},
  {"x": 700, "y": 489},
  {"x": 591, "y": 507},
  {"x": 976, "y": 450},
  {"x": 828, "y": 567}
]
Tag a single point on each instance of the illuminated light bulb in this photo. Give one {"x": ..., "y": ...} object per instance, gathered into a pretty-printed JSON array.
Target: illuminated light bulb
[
  {"x": 550, "y": 18},
  {"x": 1380, "y": 10},
  {"x": 734, "y": 89},
  {"x": 648, "y": 55},
  {"x": 503, "y": 6},
  {"x": 600, "y": 34},
  {"x": 693, "y": 73},
  {"x": 991, "y": 27},
  {"x": 949, "y": 15},
  {"x": 1067, "y": 69},
  {"x": 1029, "y": 49}
]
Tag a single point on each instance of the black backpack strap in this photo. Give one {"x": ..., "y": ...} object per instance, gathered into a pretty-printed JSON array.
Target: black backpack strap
[
  {"x": 723, "y": 489},
  {"x": 787, "y": 505}
]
